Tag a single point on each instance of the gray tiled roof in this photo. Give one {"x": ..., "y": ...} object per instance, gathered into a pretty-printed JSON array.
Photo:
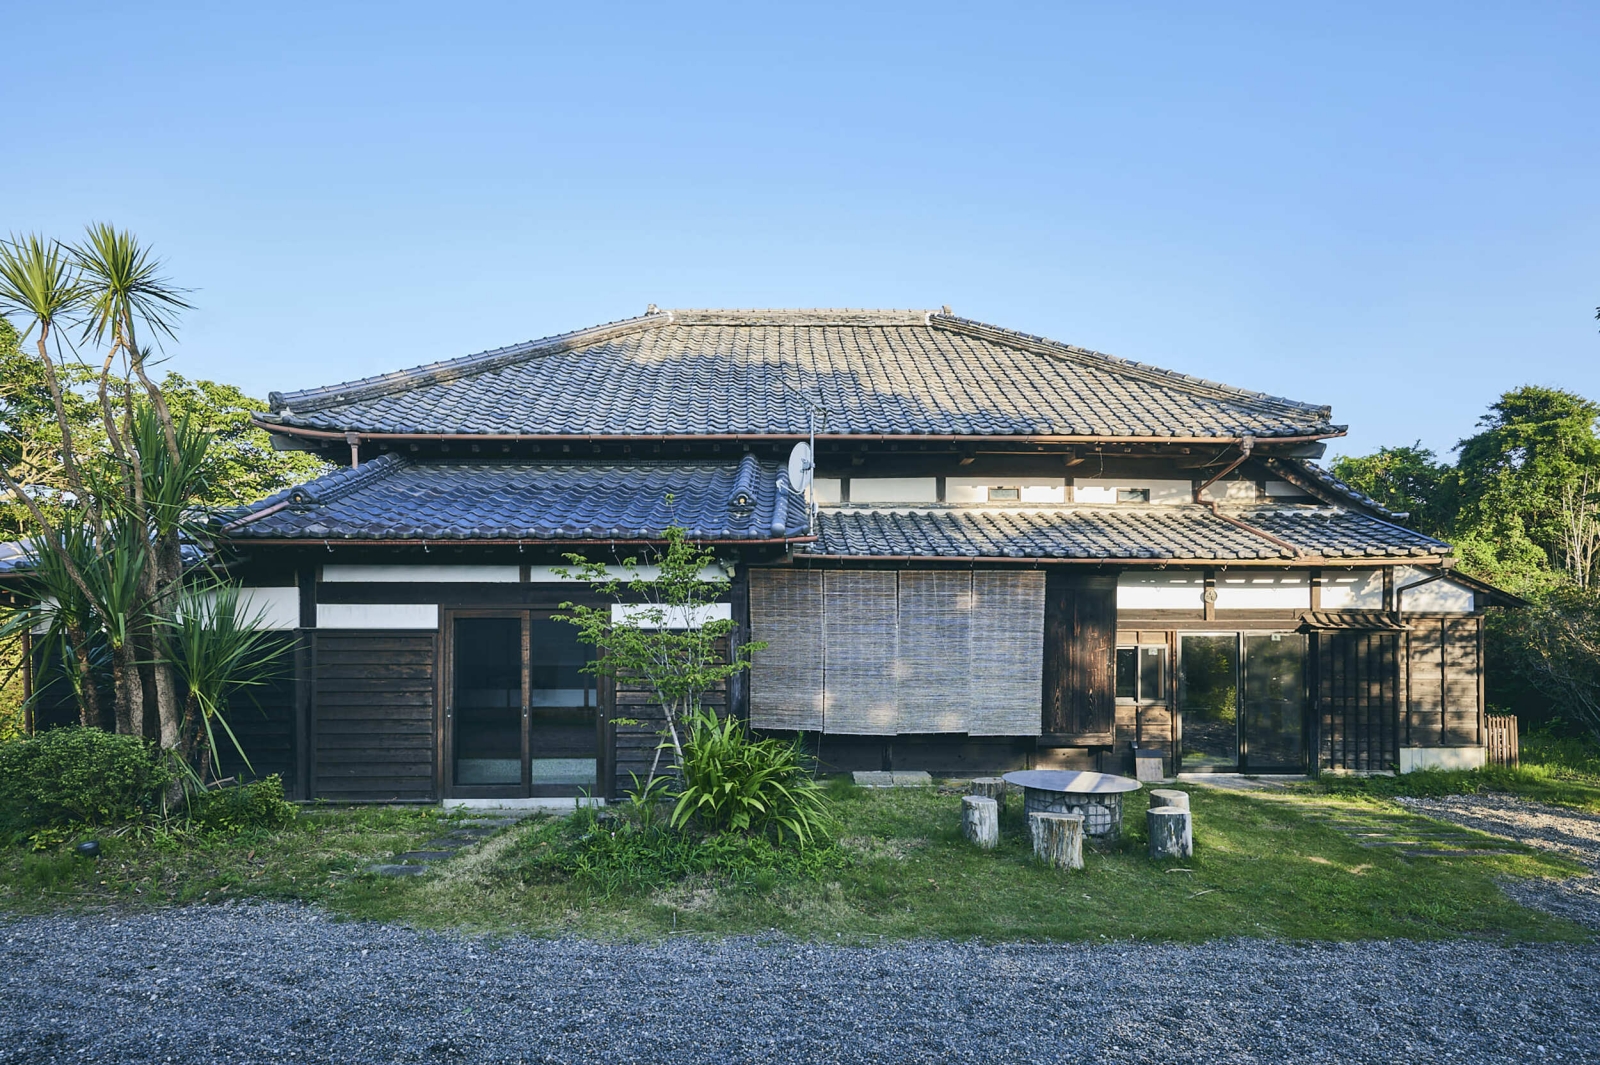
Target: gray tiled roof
[
  {"x": 1182, "y": 532},
  {"x": 393, "y": 497},
  {"x": 1318, "y": 481},
  {"x": 743, "y": 372}
]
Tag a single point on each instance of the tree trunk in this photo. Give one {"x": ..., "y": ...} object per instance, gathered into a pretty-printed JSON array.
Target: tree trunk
[
  {"x": 168, "y": 578},
  {"x": 1058, "y": 839},
  {"x": 90, "y": 706},
  {"x": 990, "y": 788},
  {"x": 1170, "y": 834},
  {"x": 130, "y": 693},
  {"x": 980, "y": 821},
  {"x": 1163, "y": 797}
]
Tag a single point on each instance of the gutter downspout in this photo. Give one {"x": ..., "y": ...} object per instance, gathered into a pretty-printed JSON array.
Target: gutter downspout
[{"x": 1247, "y": 444}]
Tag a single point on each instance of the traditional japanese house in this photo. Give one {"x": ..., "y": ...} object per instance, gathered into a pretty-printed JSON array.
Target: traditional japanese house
[{"x": 1014, "y": 552}]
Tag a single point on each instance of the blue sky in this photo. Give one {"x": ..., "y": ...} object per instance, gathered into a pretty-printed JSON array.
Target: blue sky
[{"x": 1392, "y": 209}]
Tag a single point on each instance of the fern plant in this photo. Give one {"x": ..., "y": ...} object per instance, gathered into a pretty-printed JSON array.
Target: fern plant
[{"x": 732, "y": 783}]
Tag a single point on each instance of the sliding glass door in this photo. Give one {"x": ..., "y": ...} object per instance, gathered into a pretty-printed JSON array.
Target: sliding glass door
[
  {"x": 1242, "y": 699},
  {"x": 521, "y": 717}
]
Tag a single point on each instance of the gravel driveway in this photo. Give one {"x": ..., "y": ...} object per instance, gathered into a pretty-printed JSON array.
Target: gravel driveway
[
  {"x": 277, "y": 983},
  {"x": 1570, "y": 832}
]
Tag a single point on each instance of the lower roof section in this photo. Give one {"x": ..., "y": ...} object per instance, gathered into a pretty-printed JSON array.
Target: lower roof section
[
  {"x": 1114, "y": 533},
  {"x": 395, "y": 498}
]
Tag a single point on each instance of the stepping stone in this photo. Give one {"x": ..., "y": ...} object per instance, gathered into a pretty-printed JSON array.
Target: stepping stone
[
  {"x": 397, "y": 870},
  {"x": 424, "y": 856},
  {"x": 897, "y": 779},
  {"x": 1451, "y": 854}
]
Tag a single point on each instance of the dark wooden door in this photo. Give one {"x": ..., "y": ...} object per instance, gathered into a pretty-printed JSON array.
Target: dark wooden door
[
  {"x": 1356, "y": 688},
  {"x": 1080, "y": 641}
]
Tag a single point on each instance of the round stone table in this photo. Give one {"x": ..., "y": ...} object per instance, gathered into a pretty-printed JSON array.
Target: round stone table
[{"x": 1097, "y": 796}]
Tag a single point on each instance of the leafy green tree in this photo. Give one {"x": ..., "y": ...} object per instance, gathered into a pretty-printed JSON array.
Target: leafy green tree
[
  {"x": 1409, "y": 480},
  {"x": 658, "y": 630},
  {"x": 1529, "y": 477}
]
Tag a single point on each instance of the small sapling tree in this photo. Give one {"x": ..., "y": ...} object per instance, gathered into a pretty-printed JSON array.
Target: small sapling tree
[{"x": 657, "y": 629}]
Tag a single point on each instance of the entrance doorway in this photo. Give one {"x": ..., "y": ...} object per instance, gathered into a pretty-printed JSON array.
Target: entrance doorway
[
  {"x": 1242, "y": 699},
  {"x": 521, "y": 717}
]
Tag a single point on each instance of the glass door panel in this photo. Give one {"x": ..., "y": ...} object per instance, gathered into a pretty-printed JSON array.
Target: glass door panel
[
  {"x": 487, "y": 702},
  {"x": 563, "y": 740},
  {"x": 1209, "y": 690},
  {"x": 1274, "y": 701}
]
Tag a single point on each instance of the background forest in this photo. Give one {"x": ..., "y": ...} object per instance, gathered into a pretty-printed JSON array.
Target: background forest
[{"x": 1521, "y": 504}]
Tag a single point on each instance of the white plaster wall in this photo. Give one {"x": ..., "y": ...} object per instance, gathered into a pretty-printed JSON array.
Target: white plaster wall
[
  {"x": 1230, "y": 491},
  {"x": 1160, "y": 590},
  {"x": 1438, "y": 597},
  {"x": 548, "y": 574},
  {"x": 377, "y": 616},
  {"x": 279, "y": 608},
  {"x": 894, "y": 490},
  {"x": 1415, "y": 758},
  {"x": 421, "y": 573},
  {"x": 677, "y": 617},
  {"x": 1284, "y": 490},
  {"x": 826, "y": 490},
  {"x": 1243, "y": 589},
  {"x": 1033, "y": 489},
  {"x": 1104, "y": 490},
  {"x": 1359, "y": 589}
]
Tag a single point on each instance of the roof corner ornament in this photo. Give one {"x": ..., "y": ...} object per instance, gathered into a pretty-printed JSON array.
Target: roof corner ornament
[{"x": 652, "y": 309}]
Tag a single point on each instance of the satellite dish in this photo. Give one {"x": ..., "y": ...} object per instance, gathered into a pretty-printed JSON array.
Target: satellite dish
[{"x": 800, "y": 468}]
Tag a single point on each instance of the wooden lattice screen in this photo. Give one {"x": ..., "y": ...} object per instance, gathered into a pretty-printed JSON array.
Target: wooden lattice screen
[{"x": 1500, "y": 739}]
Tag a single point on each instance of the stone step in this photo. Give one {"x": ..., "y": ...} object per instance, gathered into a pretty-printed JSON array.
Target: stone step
[{"x": 397, "y": 870}]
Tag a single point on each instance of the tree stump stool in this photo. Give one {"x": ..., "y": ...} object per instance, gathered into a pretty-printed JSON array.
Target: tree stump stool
[
  {"x": 980, "y": 820},
  {"x": 1171, "y": 832},
  {"x": 1166, "y": 797},
  {"x": 1057, "y": 839},
  {"x": 990, "y": 788}
]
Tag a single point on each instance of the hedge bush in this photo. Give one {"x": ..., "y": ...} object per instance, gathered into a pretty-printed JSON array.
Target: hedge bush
[
  {"x": 259, "y": 804},
  {"x": 79, "y": 776}
]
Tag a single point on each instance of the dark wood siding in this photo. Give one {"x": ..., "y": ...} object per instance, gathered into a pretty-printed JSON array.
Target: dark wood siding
[
  {"x": 1355, "y": 684},
  {"x": 373, "y": 725},
  {"x": 1080, "y": 637},
  {"x": 635, "y": 744},
  {"x": 1445, "y": 707},
  {"x": 262, "y": 718}
]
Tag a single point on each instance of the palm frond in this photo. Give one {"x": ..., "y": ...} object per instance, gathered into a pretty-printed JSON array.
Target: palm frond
[
  {"x": 37, "y": 281},
  {"x": 123, "y": 282}
]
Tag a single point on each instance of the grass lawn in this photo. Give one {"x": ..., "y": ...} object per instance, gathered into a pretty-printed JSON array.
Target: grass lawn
[
  {"x": 1563, "y": 771},
  {"x": 1261, "y": 868}
]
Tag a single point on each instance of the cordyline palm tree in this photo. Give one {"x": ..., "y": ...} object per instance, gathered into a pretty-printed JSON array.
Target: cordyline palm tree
[
  {"x": 219, "y": 651},
  {"x": 123, "y": 288},
  {"x": 37, "y": 282}
]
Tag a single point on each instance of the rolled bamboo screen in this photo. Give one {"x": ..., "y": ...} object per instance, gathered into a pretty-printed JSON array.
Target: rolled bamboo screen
[{"x": 872, "y": 652}]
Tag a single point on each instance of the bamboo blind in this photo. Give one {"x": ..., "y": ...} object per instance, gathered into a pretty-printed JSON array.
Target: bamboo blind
[
  {"x": 786, "y": 677},
  {"x": 1007, "y": 653},
  {"x": 860, "y": 626},
  {"x": 875, "y": 653},
  {"x": 935, "y": 662}
]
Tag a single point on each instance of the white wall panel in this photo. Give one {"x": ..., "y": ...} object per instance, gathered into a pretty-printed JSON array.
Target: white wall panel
[
  {"x": 1104, "y": 490},
  {"x": 677, "y": 617},
  {"x": 1264, "y": 590},
  {"x": 1161, "y": 590},
  {"x": 1436, "y": 597},
  {"x": 377, "y": 616},
  {"x": 894, "y": 490},
  {"x": 1360, "y": 589},
  {"x": 421, "y": 573}
]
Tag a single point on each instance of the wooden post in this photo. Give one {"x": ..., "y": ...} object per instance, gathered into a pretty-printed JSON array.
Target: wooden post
[
  {"x": 990, "y": 788},
  {"x": 1058, "y": 839},
  {"x": 1162, "y": 797},
  {"x": 980, "y": 820},
  {"x": 1170, "y": 832}
]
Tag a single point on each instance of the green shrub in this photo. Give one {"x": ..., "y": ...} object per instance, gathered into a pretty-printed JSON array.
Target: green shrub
[
  {"x": 79, "y": 776},
  {"x": 734, "y": 783},
  {"x": 257, "y": 805},
  {"x": 616, "y": 854}
]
